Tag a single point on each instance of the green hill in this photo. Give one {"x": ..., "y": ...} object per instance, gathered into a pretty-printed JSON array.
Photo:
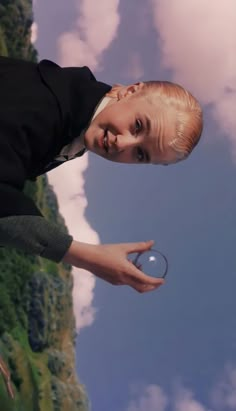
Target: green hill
[{"x": 37, "y": 326}]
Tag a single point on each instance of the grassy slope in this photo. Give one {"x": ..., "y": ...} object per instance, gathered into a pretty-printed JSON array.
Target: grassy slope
[
  {"x": 44, "y": 377},
  {"x": 35, "y": 294}
]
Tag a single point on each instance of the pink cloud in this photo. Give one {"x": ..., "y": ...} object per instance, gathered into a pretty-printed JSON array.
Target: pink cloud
[
  {"x": 68, "y": 183},
  {"x": 152, "y": 398},
  {"x": 134, "y": 68},
  {"x": 95, "y": 27},
  {"x": 198, "y": 42},
  {"x": 34, "y": 32},
  {"x": 94, "y": 30},
  {"x": 224, "y": 393},
  {"x": 185, "y": 401}
]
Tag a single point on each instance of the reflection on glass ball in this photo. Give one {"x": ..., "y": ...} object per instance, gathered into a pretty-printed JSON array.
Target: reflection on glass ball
[{"x": 152, "y": 263}]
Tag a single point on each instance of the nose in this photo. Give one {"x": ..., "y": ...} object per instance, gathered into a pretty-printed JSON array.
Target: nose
[{"x": 120, "y": 142}]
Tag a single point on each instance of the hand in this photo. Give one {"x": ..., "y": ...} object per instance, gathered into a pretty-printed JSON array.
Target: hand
[{"x": 110, "y": 262}]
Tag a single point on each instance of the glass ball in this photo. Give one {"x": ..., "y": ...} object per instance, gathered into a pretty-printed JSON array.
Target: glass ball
[{"x": 152, "y": 262}]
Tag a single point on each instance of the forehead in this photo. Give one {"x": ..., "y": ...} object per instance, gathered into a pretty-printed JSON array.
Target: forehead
[{"x": 160, "y": 130}]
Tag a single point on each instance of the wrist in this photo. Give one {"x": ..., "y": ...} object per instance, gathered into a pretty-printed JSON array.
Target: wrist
[{"x": 79, "y": 254}]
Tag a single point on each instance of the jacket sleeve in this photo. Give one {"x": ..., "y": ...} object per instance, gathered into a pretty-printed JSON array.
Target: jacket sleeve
[
  {"x": 29, "y": 124},
  {"x": 22, "y": 226}
]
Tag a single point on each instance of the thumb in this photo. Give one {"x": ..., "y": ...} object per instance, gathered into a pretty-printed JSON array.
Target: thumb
[{"x": 139, "y": 247}]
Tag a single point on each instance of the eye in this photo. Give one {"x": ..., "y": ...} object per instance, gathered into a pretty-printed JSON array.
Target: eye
[
  {"x": 140, "y": 155},
  {"x": 138, "y": 126}
]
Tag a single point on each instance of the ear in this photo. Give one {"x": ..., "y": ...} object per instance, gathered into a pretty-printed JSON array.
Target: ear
[
  {"x": 127, "y": 91},
  {"x": 113, "y": 93}
]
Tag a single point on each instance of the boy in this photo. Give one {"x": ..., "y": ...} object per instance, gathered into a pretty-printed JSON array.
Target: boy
[{"x": 49, "y": 115}]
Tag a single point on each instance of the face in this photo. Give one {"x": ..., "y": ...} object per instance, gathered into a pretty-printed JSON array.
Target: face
[{"x": 132, "y": 129}]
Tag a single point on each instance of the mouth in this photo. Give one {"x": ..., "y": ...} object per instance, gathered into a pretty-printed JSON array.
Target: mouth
[{"x": 105, "y": 142}]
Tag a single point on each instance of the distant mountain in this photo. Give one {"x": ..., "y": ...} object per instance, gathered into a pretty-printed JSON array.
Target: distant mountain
[{"x": 37, "y": 325}]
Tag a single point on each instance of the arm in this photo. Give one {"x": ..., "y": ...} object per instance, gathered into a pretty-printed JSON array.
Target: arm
[{"x": 22, "y": 226}]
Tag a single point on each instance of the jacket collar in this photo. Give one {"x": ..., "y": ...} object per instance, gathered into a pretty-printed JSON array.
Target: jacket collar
[{"x": 77, "y": 93}]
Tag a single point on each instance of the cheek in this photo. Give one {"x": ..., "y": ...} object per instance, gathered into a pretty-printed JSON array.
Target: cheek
[
  {"x": 117, "y": 118},
  {"x": 123, "y": 123}
]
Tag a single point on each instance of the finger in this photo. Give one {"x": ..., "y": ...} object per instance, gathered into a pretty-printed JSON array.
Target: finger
[
  {"x": 145, "y": 288},
  {"x": 141, "y": 278},
  {"x": 148, "y": 282},
  {"x": 138, "y": 247}
]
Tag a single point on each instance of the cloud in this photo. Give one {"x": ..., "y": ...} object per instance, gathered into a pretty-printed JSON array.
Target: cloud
[
  {"x": 151, "y": 399},
  {"x": 34, "y": 32},
  {"x": 185, "y": 401},
  {"x": 224, "y": 393},
  {"x": 68, "y": 184},
  {"x": 95, "y": 28},
  {"x": 198, "y": 43},
  {"x": 134, "y": 69},
  {"x": 154, "y": 398}
]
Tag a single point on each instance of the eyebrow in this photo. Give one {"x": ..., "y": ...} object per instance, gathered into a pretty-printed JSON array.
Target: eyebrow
[
  {"x": 148, "y": 128},
  {"x": 147, "y": 156},
  {"x": 148, "y": 124}
]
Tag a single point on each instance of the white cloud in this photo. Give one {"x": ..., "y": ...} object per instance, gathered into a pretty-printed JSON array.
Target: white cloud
[
  {"x": 151, "y": 399},
  {"x": 68, "y": 183},
  {"x": 34, "y": 32},
  {"x": 95, "y": 28},
  {"x": 198, "y": 42}
]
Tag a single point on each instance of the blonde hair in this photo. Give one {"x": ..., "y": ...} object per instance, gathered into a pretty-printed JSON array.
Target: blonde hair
[{"x": 189, "y": 117}]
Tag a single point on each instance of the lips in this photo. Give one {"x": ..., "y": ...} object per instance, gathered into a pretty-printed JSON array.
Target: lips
[{"x": 105, "y": 142}]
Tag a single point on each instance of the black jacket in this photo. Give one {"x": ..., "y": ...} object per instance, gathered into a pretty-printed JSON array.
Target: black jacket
[{"x": 43, "y": 107}]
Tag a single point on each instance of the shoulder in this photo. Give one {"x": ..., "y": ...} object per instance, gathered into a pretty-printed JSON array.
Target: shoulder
[{"x": 48, "y": 65}]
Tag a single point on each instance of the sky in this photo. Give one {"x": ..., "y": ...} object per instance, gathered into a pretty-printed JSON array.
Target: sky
[{"x": 173, "y": 349}]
